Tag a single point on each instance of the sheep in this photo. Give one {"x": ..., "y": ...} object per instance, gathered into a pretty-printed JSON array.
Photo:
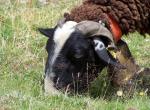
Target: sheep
[{"x": 127, "y": 17}]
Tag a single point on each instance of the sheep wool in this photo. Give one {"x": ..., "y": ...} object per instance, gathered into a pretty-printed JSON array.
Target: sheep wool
[{"x": 131, "y": 15}]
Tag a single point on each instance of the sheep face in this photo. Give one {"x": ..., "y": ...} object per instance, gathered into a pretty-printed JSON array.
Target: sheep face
[{"x": 68, "y": 54}]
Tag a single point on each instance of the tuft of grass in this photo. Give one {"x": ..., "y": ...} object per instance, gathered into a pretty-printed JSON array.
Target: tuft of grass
[{"x": 22, "y": 60}]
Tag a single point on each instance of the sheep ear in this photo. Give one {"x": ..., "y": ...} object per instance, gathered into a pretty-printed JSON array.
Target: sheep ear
[{"x": 48, "y": 32}]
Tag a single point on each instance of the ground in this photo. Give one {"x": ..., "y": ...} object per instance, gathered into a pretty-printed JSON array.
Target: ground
[{"x": 23, "y": 55}]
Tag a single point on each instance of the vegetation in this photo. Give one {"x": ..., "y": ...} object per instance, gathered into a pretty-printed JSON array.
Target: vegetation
[{"x": 22, "y": 60}]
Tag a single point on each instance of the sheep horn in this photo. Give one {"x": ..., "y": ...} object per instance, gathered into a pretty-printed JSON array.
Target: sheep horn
[{"x": 91, "y": 29}]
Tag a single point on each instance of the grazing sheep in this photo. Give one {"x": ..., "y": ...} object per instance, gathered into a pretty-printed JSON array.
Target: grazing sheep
[{"x": 73, "y": 61}]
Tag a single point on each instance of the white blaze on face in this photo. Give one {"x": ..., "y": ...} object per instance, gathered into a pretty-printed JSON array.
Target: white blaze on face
[{"x": 60, "y": 37}]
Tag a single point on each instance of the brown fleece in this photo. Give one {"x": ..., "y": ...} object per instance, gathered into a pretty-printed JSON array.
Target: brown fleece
[{"x": 131, "y": 15}]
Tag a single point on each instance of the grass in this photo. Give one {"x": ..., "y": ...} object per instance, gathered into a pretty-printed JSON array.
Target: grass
[{"x": 22, "y": 60}]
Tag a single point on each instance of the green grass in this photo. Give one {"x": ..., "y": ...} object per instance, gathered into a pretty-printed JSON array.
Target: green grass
[{"x": 22, "y": 59}]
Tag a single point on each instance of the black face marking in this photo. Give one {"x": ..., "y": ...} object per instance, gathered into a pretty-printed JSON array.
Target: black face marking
[
  {"x": 71, "y": 60},
  {"x": 69, "y": 52}
]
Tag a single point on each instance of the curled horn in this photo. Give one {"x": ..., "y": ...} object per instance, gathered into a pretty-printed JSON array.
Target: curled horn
[
  {"x": 91, "y": 29},
  {"x": 61, "y": 22},
  {"x": 97, "y": 31}
]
